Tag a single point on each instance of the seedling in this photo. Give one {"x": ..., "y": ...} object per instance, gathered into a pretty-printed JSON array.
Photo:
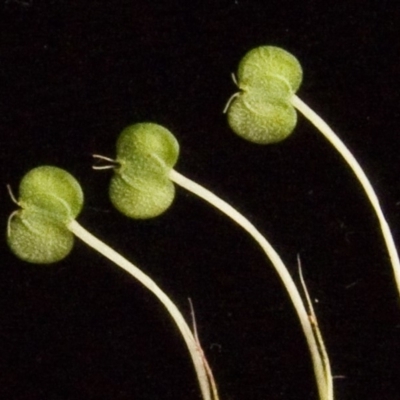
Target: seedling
[
  {"x": 142, "y": 187},
  {"x": 42, "y": 230},
  {"x": 264, "y": 112}
]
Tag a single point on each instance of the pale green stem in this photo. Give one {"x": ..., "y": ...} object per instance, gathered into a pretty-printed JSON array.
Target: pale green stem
[
  {"x": 192, "y": 344},
  {"x": 324, "y": 128},
  {"x": 323, "y": 382}
]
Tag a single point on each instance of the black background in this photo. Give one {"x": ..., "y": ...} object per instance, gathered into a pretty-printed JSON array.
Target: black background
[{"x": 73, "y": 74}]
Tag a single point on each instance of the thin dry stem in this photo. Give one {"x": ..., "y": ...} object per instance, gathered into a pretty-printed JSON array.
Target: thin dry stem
[
  {"x": 318, "y": 335},
  {"x": 210, "y": 374}
]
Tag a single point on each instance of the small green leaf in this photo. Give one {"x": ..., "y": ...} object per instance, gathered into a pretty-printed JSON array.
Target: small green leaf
[
  {"x": 262, "y": 112},
  {"x": 142, "y": 196},
  {"x": 53, "y": 191},
  {"x": 49, "y": 199},
  {"x": 260, "y": 121},
  {"x": 272, "y": 69},
  {"x": 146, "y": 153},
  {"x": 148, "y": 146},
  {"x": 36, "y": 239}
]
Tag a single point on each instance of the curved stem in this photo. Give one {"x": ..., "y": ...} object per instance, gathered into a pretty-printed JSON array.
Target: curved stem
[
  {"x": 324, "y": 128},
  {"x": 323, "y": 379},
  {"x": 192, "y": 344}
]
